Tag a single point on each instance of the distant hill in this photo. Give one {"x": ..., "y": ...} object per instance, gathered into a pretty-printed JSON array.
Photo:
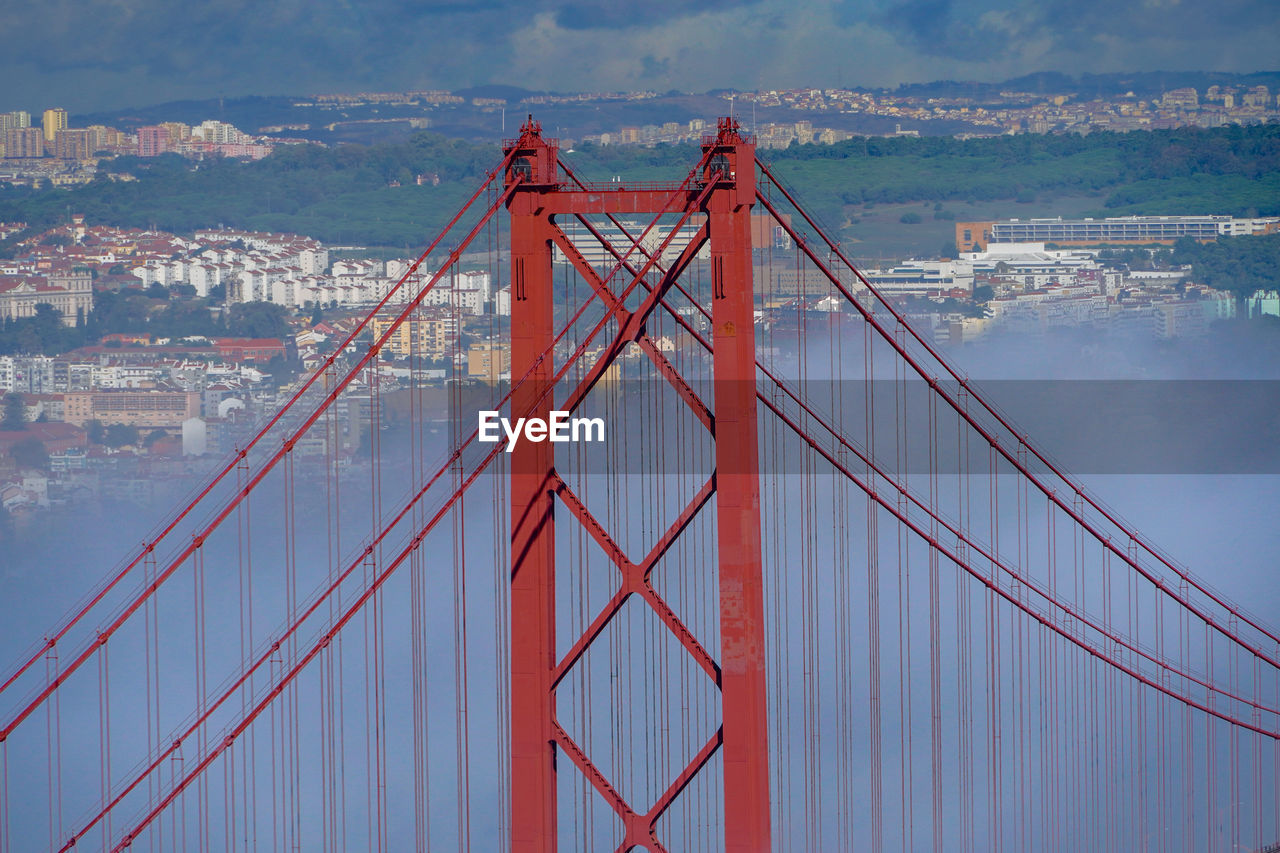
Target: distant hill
[
  {"x": 248, "y": 113},
  {"x": 370, "y": 194},
  {"x": 1143, "y": 84},
  {"x": 510, "y": 94}
]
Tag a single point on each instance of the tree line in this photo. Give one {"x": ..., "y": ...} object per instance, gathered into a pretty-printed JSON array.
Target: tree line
[
  {"x": 1240, "y": 265},
  {"x": 140, "y": 312}
]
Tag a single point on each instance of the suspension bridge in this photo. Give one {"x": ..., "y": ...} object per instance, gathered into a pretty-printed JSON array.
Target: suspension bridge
[{"x": 813, "y": 590}]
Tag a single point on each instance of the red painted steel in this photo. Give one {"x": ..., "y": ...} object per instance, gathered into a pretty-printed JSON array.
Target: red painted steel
[
  {"x": 742, "y": 623},
  {"x": 746, "y": 780},
  {"x": 660, "y": 361},
  {"x": 533, "y": 610},
  {"x": 721, "y": 188}
]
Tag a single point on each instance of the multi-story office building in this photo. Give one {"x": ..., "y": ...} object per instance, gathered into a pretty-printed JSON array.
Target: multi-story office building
[{"x": 1119, "y": 230}]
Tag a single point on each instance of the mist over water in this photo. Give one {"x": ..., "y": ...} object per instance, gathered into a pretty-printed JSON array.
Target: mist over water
[
  {"x": 1219, "y": 525},
  {"x": 1216, "y": 525}
]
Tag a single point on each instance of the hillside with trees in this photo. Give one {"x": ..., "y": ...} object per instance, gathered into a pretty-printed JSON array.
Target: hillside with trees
[
  {"x": 401, "y": 194},
  {"x": 1240, "y": 265}
]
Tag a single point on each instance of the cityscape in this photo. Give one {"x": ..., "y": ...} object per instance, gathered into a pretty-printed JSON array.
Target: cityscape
[
  {"x": 44, "y": 146},
  {"x": 742, "y": 426},
  {"x": 133, "y": 412}
]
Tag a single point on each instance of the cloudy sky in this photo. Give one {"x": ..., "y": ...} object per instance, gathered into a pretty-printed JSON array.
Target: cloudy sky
[{"x": 87, "y": 54}]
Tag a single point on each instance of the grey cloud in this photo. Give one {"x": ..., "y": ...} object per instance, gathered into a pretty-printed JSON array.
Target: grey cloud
[
  {"x": 938, "y": 26},
  {"x": 110, "y": 53},
  {"x": 619, "y": 14},
  {"x": 972, "y": 30}
]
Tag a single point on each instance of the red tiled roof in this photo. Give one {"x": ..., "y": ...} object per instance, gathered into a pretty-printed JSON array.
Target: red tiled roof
[
  {"x": 53, "y": 433},
  {"x": 248, "y": 342}
]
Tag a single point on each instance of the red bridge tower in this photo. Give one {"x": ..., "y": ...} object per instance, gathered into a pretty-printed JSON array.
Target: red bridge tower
[{"x": 719, "y": 196}]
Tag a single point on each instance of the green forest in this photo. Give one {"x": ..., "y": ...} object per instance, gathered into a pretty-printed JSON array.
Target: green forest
[
  {"x": 1240, "y": 265},
  {"x": 1232, "y": 170},
  {"x": 370, "y": 195}
]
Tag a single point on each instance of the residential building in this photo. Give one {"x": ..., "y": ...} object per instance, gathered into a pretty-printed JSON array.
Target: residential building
[
  {"x": 220, "y": 133},
  {"x": 178, "y": 132},
  {"x": 457, "y": 296},
  {"x": 56, "y": 437},
  {"x": 152, "y": 140},
  {"x": 1263, "y": 303},
  {"x": 141, "y": 408},
  {"x": 54, "y": 120},
  {"x": 1256, "y": 98},
  {"x": 430, "y": 335},
  {"x": 620, "y": 237},
  {"x": 1182, "y": 99},
  {"x": 105, "y": 138},
  {"x": 23, "y": 142},
  {"x": 1179, "y": 320},
  {"x": 489, "y": 361},
  {"x": 74, "y": 144}
]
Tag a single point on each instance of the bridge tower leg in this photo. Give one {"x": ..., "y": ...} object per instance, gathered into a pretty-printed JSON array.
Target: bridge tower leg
[
  {"x": 533, "y": 608},
  {"x": 742, "y": 637}
]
